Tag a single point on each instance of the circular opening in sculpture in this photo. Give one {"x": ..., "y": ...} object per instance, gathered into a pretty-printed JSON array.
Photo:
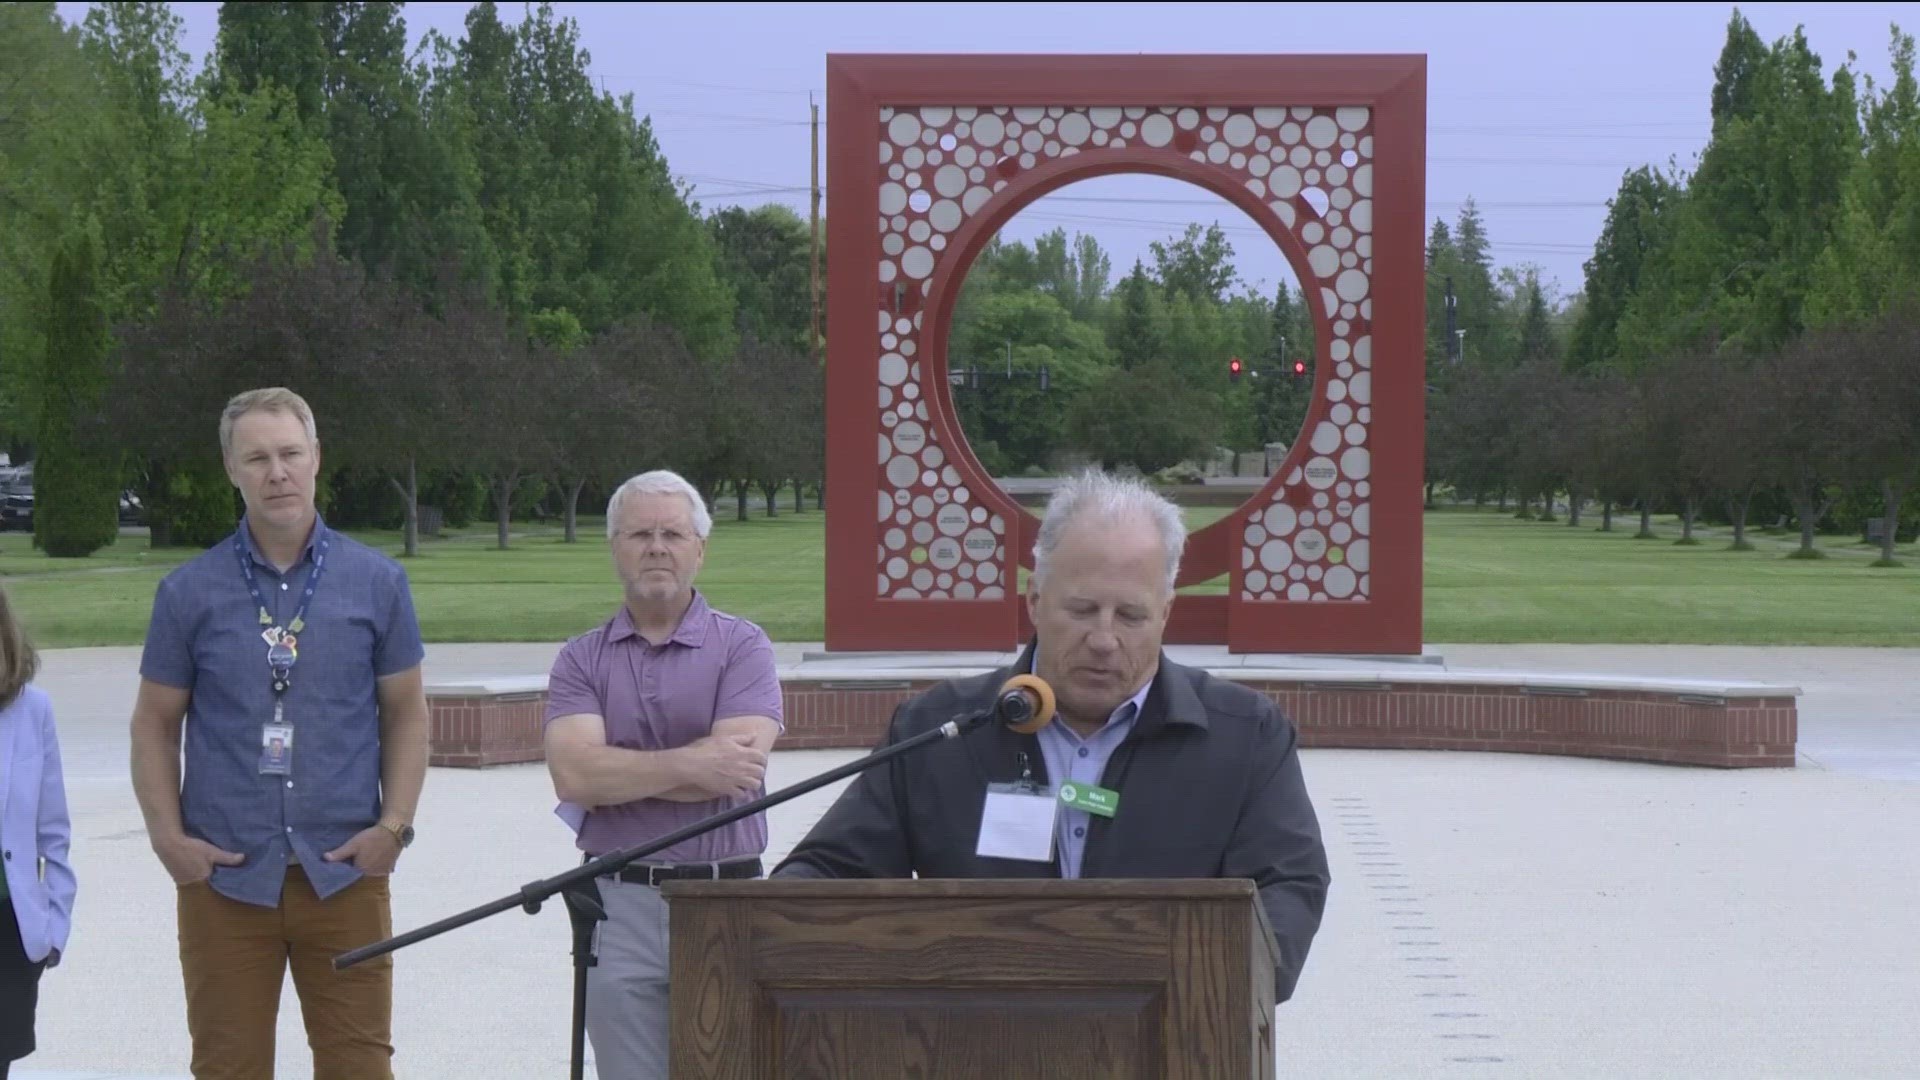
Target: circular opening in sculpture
[{"x": 1142, "y": 323}]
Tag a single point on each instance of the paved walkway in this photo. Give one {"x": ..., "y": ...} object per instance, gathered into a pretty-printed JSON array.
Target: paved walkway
[{"x": 1492, "y": 915}]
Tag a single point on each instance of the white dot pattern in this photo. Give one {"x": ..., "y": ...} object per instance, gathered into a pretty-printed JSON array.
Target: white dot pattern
[{"x": 1313, "y": 168}]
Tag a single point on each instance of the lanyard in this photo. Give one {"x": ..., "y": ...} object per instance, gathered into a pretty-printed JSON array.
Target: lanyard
[{"x": 282, "y": 646}]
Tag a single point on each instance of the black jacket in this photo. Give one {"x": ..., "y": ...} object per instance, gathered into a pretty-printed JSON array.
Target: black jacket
[{"x": 1209, "y": 781}]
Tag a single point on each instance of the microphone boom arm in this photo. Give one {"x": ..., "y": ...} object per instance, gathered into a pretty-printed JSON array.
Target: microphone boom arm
[{"x": 532, "y": 895}]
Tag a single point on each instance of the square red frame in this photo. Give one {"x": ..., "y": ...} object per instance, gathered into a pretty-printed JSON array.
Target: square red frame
[{"x": 1392, "y": 87}]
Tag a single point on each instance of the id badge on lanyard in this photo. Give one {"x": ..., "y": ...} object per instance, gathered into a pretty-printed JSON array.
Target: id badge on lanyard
[
  {"x": 276, "y": 735},
  {"x": 276, "y": 745},
  {"x": 283, "y": 652},
  {"x": 1017, "y": 821}
]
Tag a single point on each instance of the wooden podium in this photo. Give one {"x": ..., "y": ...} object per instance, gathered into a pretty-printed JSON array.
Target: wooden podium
[{"x": 970, "y": 980}]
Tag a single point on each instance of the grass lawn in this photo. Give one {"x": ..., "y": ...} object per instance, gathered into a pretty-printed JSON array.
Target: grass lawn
[{"x": 1489, "y": 578}]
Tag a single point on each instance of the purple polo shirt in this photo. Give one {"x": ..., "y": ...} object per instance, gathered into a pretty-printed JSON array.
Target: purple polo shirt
[{"x": 659, "y": 697}]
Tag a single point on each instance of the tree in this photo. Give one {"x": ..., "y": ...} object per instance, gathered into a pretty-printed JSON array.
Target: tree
[
  {"x": 763, "y": 256},
  {"x": 1198, "y": 340},
  {"x": 1144, "y": 417},
  {"x": 46, "y": 103},
  {"x": 1439, "y": 269},
  {"x": 573, "y": 189},
  {"x": 769, "y": 383},
  {"x": 408, "y": 182},
  {"x": 1478, "y": 300},
  {"x": 1728, "y": 432},
  {"x": 1678, "y": 394},
  {"x": 138, "y": 156},
  {"x": 1638, "y": 225},
  {"x": 188, "y": 180},
  {"x": 1581, "y": 425},
  {"x": 1467, "y": 426},
  {"x": 76, "y": 475},
  {"x": 1535, "y": 392},
  {"x": 261, "y": 181},
  {"x": 1538, "y": 337},
  {"x": 1805, "y": 434},
  {"x": 410, "y": 416},
  {"x": 1084, "y": 292},
  {"x": 1137, "y": 337},
  {"x": 607, "y": 420},
  {"x": 1198, "y": 265},
  {"x": 1871, "y": 266},
  {"x": 1638, "y": 465},
  {"x": 470, "y": 90},
  {"x": 1612, "y": 453},
  {"x": 512, "y": 402},
  {"x": 1881, "y": 398},
  {"x": 1011, "y": 422},
  {"x": 1760, "y": 208},
  {"x": 636, "y": 400},
  {"x": 1073, "y": 272},
  {"x": 364, "y": 353},
  {"x": 1735, "y": 73},
  {"x": 807, "y": 449},
  {"x": 279, "y": 43}
]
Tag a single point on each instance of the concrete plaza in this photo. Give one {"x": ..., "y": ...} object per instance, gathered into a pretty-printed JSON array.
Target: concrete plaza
[{"x": 1491, "y": 916}]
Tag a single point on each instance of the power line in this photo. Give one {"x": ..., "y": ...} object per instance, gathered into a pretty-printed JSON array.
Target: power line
[
  {"x": 705, "y": 86},
  {"x": 765, "y": 186}
]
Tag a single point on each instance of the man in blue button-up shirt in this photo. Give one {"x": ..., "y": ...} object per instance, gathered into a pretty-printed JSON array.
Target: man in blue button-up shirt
[{"x": 291, "y": 656}]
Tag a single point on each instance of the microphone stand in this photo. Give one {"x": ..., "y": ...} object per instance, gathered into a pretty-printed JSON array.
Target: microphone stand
[{"x": 583, "y": 903}]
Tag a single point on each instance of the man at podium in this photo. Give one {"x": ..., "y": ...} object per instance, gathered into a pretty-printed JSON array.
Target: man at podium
[{"x": 1151, "y": 769}]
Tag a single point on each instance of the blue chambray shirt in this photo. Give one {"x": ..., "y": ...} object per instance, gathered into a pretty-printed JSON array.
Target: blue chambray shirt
[
  {"x": 1072, "y": 759},
  {"x": 204, "y": 637}
]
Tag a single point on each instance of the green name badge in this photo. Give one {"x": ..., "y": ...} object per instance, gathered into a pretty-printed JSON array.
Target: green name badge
[{"x": 1092, "y": 799}]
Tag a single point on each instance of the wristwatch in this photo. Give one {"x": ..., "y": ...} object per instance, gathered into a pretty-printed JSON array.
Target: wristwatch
[{"x": 402, "y": 833}]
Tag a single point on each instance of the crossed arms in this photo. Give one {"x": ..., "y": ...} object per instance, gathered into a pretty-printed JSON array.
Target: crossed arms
[{"x": 731, "y": 760}]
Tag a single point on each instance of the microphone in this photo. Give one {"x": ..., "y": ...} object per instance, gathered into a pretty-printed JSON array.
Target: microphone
[{"x": 1025, "y": 704}]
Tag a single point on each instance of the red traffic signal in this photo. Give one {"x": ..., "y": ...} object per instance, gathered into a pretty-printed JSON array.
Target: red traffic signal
[
  {"x": 1299, "y": 367},
  {"x": 1233, "y": 368}
]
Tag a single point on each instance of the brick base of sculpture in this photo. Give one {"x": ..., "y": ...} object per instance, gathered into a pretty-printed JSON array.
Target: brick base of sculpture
[{"x": 1717, "y": 725}]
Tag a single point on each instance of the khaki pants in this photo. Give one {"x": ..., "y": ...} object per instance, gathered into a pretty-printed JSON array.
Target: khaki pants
[
  {"x": 627, "y": 990},
  {"x": 235, "y": 956}
]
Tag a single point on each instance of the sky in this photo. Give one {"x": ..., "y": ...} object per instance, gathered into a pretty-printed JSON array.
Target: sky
[{"x": 1534, "y": 110}]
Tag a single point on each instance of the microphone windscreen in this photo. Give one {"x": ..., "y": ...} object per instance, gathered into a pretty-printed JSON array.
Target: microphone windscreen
[{"x": 1036, "y": 690}]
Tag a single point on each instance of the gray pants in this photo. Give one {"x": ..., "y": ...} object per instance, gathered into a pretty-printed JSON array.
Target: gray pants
[{"x": 627, "y": 989}]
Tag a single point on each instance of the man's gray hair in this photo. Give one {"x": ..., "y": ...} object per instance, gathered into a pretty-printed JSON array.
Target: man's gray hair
[
  {"x": 1109, "y": 498},
  {"x": 661, "y": 482}
]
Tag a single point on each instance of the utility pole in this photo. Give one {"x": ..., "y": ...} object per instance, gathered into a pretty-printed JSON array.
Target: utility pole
[
  {"x": 1453, "y": 323},
  {"x": 813, "y": 276}
]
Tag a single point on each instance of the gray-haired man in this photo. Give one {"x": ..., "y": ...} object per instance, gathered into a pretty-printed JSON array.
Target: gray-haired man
[
  {"x": 660, "y": 717},
  {"x": 1178, "y": 774}
]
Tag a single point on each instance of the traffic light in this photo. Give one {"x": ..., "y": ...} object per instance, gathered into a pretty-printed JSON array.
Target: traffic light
[
  {"x": 1233, "y": 369},
  {"x": 1299, "y": 368}
]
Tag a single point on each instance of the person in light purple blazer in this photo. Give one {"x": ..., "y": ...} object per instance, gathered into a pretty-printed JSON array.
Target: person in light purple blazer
[{"x": 38, "y": 882}]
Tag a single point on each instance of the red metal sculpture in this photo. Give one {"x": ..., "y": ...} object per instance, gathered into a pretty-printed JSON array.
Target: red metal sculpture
[{"x": 1326, "y": 153}]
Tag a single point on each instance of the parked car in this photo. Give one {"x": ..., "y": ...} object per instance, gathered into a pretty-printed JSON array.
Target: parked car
[{"x": 16, "y": 499}]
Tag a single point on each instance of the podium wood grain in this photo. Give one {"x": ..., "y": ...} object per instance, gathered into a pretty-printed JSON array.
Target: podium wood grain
[{"x": 957, "y": 980}]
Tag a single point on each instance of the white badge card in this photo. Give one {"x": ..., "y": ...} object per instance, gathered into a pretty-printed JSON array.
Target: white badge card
[
  {"x": 276, "y": 749},
  {"x": 1017, "y": 823}
]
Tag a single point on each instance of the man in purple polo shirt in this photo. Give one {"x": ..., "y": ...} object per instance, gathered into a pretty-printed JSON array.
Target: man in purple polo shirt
[{"x": 658, "y": 718}]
